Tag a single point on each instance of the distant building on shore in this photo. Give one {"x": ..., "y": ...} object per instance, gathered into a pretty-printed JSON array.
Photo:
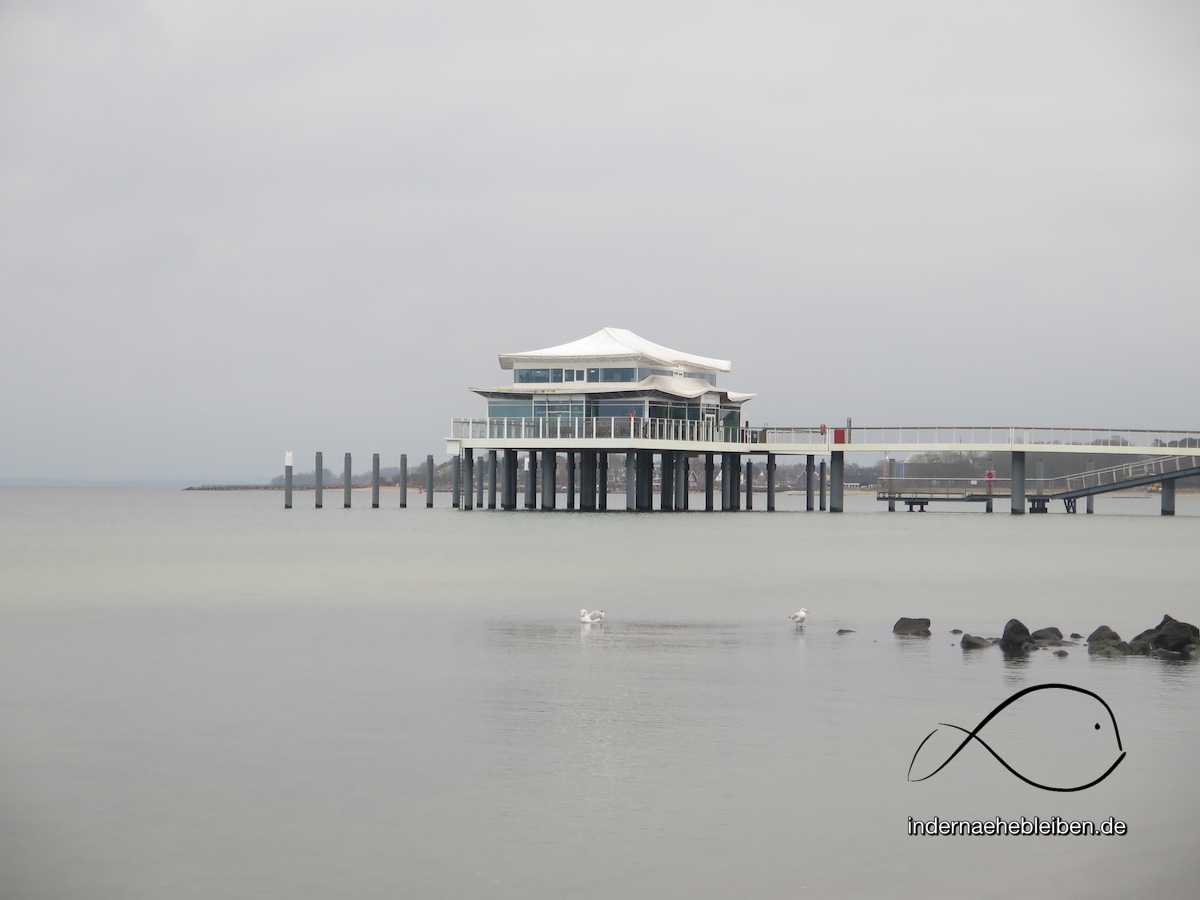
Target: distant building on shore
[{"x": 614, "y": 373}]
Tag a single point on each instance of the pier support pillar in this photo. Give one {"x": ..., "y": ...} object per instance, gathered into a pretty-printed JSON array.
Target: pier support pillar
[
  {"x": 1168, "y": 496},
  {"x": 508, "y": 481},
  {"x": 319, "y": 479},
  {"x": 531, "y": 480},
  {"x": 587, "y": 480},
  {"x": 571, "y": 481},
  {"x": 1018, "y": 482},
  {"x": 749, "y": 484},
  {"x": 681, "y": 481},
  {"x": 630, "y": 481},
  {"x": 726, "y": 481},
  {"x": 602, "y": 482},
  {"x": 481, "y": 481},
  {"x": 645, "y": 480},
  {"x": 456, "y": 482},
  {"x": 837, "y": 475},
  {"x": 374, "y": 481},
  {"x": 735, "y": 487},
  {"x": 491, "y": 479},
  {"x": 549, "y": 486},
  {"x": 770, "y": 482},
  {"x": 666, "y": 480},
  {"x": 468, "y": 478},
  {"x": 821, "y": 486},
  {"x": 403, "y": 480},
  {"x": 429, "y": 481},
  {"x": 346, "y": 479},
  {"x": 810, "y": 465},
  {"x": 1091, "y": 498},
  {"x": 709, "y": 480}
]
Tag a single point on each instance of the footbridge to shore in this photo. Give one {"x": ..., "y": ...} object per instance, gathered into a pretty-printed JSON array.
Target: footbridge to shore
[{"x": 726, "y": 457}]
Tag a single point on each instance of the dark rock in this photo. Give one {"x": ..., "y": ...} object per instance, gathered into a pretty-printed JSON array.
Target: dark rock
[
  {"x": 956, "y": 631},
  {"x": 1016, "y": 638},
  {"x": 1174, "y": 635},
  {"x": 1060, "y": 653},
  {"x": 1103, "y": 634},
  {"x": 1076, "y": 636},
  {"x": 970, "y": 642},
  {"x": 1047, "y": 634},
  {"x": 847, "y": 631},
  {"x": 1160, "y": 653},
  {"x": 912, "y": 627},
  {"x": 1109, "y": 649},
  {"x": 1140, "y": 646}
]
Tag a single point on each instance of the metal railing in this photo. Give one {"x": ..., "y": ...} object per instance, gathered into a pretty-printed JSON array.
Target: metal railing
[
  {"x": 707, "y": 431},
  {"x": 1139, "y": 469}
]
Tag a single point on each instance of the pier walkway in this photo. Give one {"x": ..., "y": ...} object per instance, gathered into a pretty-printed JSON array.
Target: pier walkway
[{"x": 679, "y": 444}]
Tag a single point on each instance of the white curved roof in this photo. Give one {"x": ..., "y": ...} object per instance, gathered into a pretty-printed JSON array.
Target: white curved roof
[{"x": 617, "y": 344}]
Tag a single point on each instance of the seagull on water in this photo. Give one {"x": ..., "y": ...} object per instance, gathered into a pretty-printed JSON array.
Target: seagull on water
[
  {"x": 590, "y": 618},
  {"x": 799, "y": 617}
]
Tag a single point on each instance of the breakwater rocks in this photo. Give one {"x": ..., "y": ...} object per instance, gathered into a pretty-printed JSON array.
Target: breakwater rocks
[
  {"x": 912, "y": 627},
  {"x": 1170, "y": 639}
]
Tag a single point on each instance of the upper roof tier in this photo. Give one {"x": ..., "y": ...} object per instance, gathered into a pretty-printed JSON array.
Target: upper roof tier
[{"x": 616, "y": 344}]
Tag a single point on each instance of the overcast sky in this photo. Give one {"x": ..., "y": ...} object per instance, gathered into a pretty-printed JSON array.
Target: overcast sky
[{"x": 236, "y": 228}]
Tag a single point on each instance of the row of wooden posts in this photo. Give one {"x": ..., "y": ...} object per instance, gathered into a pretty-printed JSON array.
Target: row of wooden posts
[{"x": 499, "y": 475}]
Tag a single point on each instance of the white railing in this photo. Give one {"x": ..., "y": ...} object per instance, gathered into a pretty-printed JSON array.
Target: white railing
[
  {"x": 1145, "y": 468},
  {"x": 625, "y": 427}
]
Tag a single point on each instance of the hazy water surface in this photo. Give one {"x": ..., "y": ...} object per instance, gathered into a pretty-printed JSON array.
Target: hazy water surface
[{"x": 207, "y": 696}]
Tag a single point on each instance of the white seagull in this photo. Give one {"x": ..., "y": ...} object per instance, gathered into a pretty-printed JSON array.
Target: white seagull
[
  {"x": 590, "y": 618},
  {"x": 799, "y": 617}
]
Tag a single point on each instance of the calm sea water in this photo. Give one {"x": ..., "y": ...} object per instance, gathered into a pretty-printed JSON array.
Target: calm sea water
[{"x": 205, "y": 696}]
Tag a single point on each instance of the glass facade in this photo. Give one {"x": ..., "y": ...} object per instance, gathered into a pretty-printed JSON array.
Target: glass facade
[{"x": 597, "y": 375}]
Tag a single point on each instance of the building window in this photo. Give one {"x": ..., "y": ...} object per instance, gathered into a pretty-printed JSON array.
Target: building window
[
  {"x": 593, "y": 374},
  {"x": 531, "y": 376},
  {"x": 618, "y": 374}
]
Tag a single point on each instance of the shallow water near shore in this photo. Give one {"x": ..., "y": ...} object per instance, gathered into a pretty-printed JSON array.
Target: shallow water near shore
[{"x": 206, "y": 695}]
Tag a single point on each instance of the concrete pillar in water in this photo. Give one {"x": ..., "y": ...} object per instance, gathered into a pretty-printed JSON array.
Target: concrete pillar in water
[
  {"x": 837, "y": 470},
  {"x": 319, "y": 480},
  {"x": 681, "y": 481},
  {"x": 810, "y": 466},
  {"x": 429, "y": 481},
  {"x": 709, "y": 480},
  {"x": 549, "y": 473},
  {"x": 587, "y": 480},
  {"x": 481, "y": 480},
  {"x": 1168, "y": 496},
  {"x": 889, "y": 471},
  {"x": 821, "y": 485},
  {"x": 645, "y": 480},
  {"x": 287, "y": 480},
  {"x": 403, "y": 480},
  {"x": 726, "y": 480},
  {"x": 456, "y": 481},
  {"x": 602, "y": 482},
  {"x": 1018, "y": 482},
  {"x": 770, "y": 482},
  {"x": 491, "y": 479},
  {"x": 531, "y": 480},
  {"x": 630, "y": 481},
  {"x": 1091, "y": 498},
  {"x": 375, "y": 481},
  {"x": 749, "y": 484},
  {"x": 346, "y": 478},
  {"x": 508, "y": 478},
  {"x": 735, "y": 489},
  {"x": 570, "y": 480},
  {"x": 666, "y": 500},
  {"x": 468, "y": 478}
]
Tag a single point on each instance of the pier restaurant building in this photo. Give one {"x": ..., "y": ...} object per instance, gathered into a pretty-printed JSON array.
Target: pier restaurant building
[{"x": 614, "y": 373}]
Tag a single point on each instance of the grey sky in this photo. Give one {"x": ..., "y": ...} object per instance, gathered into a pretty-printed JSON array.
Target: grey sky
[{"x": 231, "y": 229}]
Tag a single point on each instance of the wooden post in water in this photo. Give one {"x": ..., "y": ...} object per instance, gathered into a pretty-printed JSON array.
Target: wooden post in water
[
  {"x": 319, "y": 479},
  {"x": 403, "y": 480},
  {"x": 375, "y": 481},
  {"x": 287, "y": 480},
  {"x": 346, "y": 480},
  {"x": 429, "y": 481}
]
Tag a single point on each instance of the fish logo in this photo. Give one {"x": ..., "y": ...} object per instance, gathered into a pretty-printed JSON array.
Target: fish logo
[{"x": 1098, "y": 712}]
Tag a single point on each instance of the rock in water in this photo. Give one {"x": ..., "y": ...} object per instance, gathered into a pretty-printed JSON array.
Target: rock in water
[
  {"x": 1016, "y": 638},
  {"x": 913, "y": 627},
  {"x": 970, "y": 642}
]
